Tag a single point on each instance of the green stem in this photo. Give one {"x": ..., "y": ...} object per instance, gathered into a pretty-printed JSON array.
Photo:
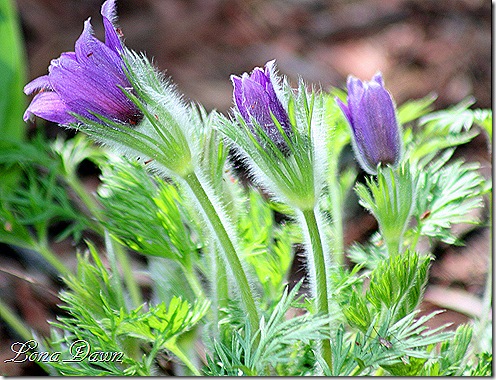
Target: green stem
[
  {"x": 356, "y": 371},
  {"x": 115, "y": 278},
  {"x": 52, "y": 259},
  {"x": 129, "y": 278},
  {"x": 172, "y": 347},
  {"x": 316, "y": 251},
  {"x": 87, "y": 200},
  {"x": 192, "y": 279},
  {"x": 336, "y": 210},
  {"x": 222, "y": 291},
  {"x": 416, "y": 238},
  {"x": 219, "y": 229},
  {"x": 14, "y": 322},
  {"x": 393, "y": 243}
]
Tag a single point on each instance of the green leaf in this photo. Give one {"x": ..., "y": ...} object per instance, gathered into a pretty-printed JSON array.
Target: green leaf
[
  {"x": 413, "y": 109},
  {"x": 12, "y": 73},
  {"x": 161, "y": 322},
  {"x": 441, "y": 131},
  {"x": 447, "y": 197},
  {"x": 452, "y": 355},
  {"x": 12, "y": 80},
  {"x": 267, "y": 246},
  {"x": 281, "y": 342},
  {"x": 370, "y": 254},
  {"x": 398, "y": 284},
  {"x": 484, "y": 366},
  {"x": 145, "y": 213}
]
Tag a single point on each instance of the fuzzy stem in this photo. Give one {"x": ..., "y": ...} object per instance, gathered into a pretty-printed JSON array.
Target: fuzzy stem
[
  {"x": 219, "y": 229},
  {"x": 319, "y": 282},
  {"x": 393, "y": 244},
  {"x": 193, "y": 281},
  {"x": 222, "y": 291},
  {"x": 416, "y": 238},
  {"x": 336, "y": 210}
]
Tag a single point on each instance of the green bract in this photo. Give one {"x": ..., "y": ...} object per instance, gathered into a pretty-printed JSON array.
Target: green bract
[
  {"x": 391, "y": 199},
  {"x": 295, "y": 177}
]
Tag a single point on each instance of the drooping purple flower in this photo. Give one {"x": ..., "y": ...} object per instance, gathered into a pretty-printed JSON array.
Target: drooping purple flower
[
  {"x": 371, "y": 114},
  {"x": 87, "y": 80},
  {"x": 256, "y": 100}
]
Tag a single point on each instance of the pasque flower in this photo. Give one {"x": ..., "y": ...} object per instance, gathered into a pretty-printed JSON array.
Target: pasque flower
[
  {"x": 371, "y": 114},
  {"x": 86, "y": 81},
  {"x": 257, "y": 101}
]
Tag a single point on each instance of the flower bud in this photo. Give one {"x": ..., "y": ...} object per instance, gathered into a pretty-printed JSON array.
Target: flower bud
[
  {"x": 376, "y": 135},
  {"x": 258, "y": 102}
]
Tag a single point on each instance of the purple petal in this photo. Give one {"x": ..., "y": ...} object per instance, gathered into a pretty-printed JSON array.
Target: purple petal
[
  {"x": 37, "y": 84},
  {"x": 238, "y": 95},
  {"x": 109, "y": 14},
  {"x": 256, "y": 102},
  {"x": 91, "y": 51},
  {"x": 371, "y": 114},
  {"x": 378, "y": 79},
  {"x": 49, "y": 106},
  {"x": 355, "y": 88},
  {"x": 112, "y": 40},
  {"x": 258, "y": 76},
  {"x": 109, "y": 10},
  {"x": 345, "y": 110},
  {"x": 75, "y": 82}
]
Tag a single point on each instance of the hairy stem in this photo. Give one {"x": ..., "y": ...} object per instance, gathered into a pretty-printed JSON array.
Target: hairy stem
[
  {"x": 336, "y": 210},
  {"x": 222, "y": 291},
  {"x": 219, "y": 230},
  {"x": 194, "y": 283},
  {"x": 319, "y": 273}
]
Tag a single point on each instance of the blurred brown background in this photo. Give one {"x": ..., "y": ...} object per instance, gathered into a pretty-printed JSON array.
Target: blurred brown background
[{"x": 421, "y": 46}]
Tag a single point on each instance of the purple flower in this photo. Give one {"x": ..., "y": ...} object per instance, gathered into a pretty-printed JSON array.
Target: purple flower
[
  {"x": 257, "y": 101},
  {"x": 86, "y": 81},
  {"x": 372, "y": 117}
]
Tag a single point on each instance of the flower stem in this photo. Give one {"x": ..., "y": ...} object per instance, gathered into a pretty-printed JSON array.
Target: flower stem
[
  {"x": 189, "y": 273},
  {"x": 336, "y": 210},
  {"x": 221, "y": 291},
  {"x": 52, "y": 258},
  {"x": 129, "y": 278},
  {"x": 217, "y": 226},
  {"x": 88, "y": 201},
  {"x": 393, "y": 243},
  {"x": 14, "y": 322},
  {"x": 172, "y": 347},
  {"x": 319, "y": 280}
]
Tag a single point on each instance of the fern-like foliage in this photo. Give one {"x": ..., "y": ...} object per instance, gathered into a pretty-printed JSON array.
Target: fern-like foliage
[
  {"x": 447, "y": 196},
  {"x": 146, "y": 213},
  {"x": 99, "y": 322},
  {"x": 275, "y": 349}
]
